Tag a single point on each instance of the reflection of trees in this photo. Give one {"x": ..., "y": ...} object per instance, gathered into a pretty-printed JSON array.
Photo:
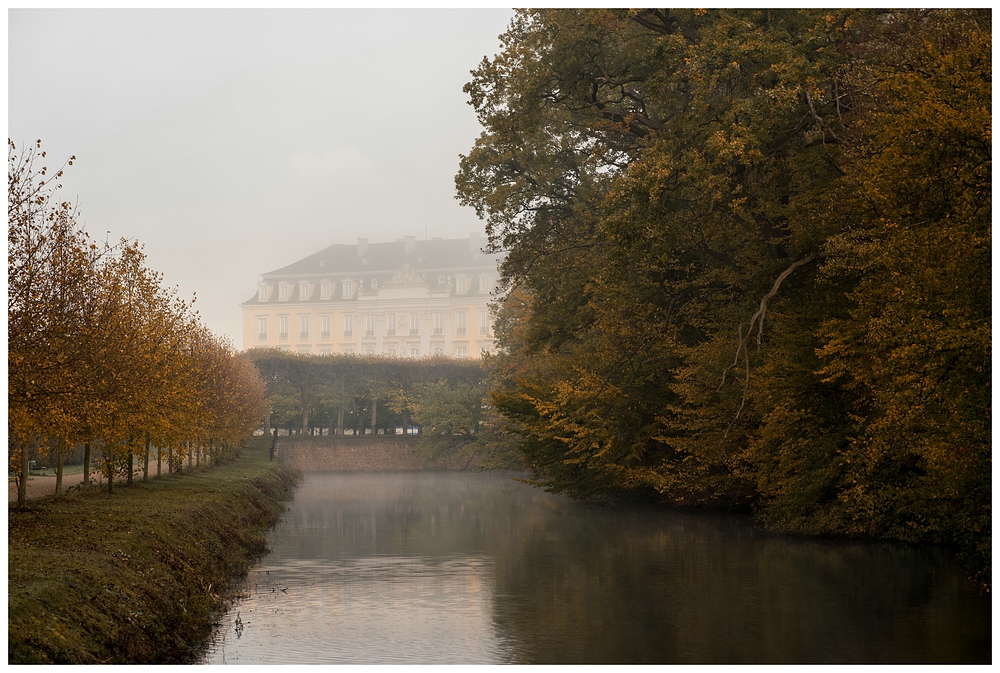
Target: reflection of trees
[{"x": 644, "y": 586}]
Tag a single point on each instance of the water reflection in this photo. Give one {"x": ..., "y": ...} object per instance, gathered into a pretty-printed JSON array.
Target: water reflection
[{"x": 467, "y": 568}]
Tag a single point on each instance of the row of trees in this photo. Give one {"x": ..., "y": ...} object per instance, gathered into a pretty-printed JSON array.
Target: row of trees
[
  {"x": 444, "y": 400},
  {"x": 748, "y": 261},
  {"x": 99, "y": 352}
]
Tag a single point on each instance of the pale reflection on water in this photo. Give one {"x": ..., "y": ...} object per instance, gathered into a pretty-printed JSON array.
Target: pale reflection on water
[{"x": 474, "y": 568}]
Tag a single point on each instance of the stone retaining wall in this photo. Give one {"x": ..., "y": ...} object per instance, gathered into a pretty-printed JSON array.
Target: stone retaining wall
[{"x": 354, "y": 454}]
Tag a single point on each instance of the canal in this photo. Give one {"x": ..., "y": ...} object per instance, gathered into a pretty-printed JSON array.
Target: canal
[{"x": 454, "y": 567}]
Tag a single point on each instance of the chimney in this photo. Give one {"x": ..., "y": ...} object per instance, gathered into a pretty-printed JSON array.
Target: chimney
[
  {"x": 474, "y": 243},
  {"x": 409, "y": 242},
  {"x": 362, "y": 246}
]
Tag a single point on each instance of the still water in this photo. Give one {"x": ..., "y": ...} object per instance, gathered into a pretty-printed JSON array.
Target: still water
[{"x": 424, "y": 567}]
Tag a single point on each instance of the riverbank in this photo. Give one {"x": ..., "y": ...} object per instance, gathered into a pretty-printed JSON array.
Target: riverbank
[{"x": 139, "y": 576}]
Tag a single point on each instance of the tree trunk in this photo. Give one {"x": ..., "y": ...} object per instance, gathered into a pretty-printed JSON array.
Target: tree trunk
[
  {"x": 22, "y": 482},
  {"x": 131, "y": 458},
  {"x": 170, "y": 459},
  {"x": 109, "y": 454},
  {"x": 145, "y": 462},
  {"x": 274, "y": 442},
  {"x": 340, "y": 420},
  {"x": 60, "y": 447},
  {"x": 374, "y": 409},
  {"x": 159, "y": 459},
  {"x": 86, "y": 466}
]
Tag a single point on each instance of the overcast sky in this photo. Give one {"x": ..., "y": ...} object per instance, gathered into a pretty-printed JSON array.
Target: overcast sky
[{"x": 234, "y": 142}]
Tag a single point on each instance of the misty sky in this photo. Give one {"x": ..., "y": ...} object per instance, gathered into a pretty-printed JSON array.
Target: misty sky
[{"x": 234, "y": 142}]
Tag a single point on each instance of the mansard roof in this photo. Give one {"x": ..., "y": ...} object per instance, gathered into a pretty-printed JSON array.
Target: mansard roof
[{"x": 434, "y": 255}]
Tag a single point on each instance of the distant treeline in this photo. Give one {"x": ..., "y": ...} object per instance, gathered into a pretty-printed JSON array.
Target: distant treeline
[
  {"x": 442, "y": 399},
  {"x": 749, "y": 261}
]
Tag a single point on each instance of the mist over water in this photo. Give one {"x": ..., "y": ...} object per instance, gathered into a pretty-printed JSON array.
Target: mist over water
[{"x": 424, "y": 567}]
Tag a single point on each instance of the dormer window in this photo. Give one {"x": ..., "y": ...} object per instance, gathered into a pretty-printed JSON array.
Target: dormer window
[
  {"x": 303, "y": 291},
  {"x": 324, "y": 290},
  {"x": 484, "y": 284},
  {"x": 282, "y": 292},
  {"x": 348, "y": 288},
  {"x": 262, "y": 293},
  {"x": 460, "y": 285},
  {"x": 374, "y": 283},
  {"x": 442, "y": 280}
]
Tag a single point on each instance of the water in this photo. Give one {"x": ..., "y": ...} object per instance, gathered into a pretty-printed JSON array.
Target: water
[{"x": 423, "y": 567}]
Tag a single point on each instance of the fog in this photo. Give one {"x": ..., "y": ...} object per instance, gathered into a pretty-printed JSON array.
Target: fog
[{"x": 234, "y": 142}]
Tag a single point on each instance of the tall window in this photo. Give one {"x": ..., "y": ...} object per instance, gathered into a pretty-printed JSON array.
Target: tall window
[
  {"x": 414, "y": 324},
  {"x": 484, "y": 284},
  {"x": 282, "y": 291},
  {"x": 414, "y": 352},
  {"x": 324, "y": 290},
  {"x": 460, "y": 285},
  {"x": 324, "y": 327},
  {"x": 484, "y": 322},
  {"x": 282, "y": 326},
  {"x": 348, "y": 326},
  {"x": 461, "y": 322},
  {"x": 438, "y": 323},
  {"x": 391, "y": 352},
  {"x": 461, "y": 352},
  {"x": 261, "y": 329},
  {"x": 348, "y": 288},
  {"x": 262, "y": 293},
  {"x": 390, "y": 325},
  {"x": 348, "y": 349},
  {"x": 303, "y": 327},
  {"x": 369, "y": 324},
  {"x": 303, "y": 291}
]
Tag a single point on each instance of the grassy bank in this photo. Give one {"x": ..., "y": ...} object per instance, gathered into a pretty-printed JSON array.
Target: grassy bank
[{"x": 137, "y": 577}]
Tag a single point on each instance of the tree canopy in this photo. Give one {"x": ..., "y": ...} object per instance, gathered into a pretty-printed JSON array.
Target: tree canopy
[{"x": 748, "y": 261}]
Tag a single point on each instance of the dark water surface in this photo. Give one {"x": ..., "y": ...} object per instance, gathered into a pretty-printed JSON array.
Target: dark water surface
[{"x": 424, "y": 567}]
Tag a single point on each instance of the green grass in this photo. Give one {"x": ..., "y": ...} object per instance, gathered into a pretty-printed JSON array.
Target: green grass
[{"x": 138, "y": 576}]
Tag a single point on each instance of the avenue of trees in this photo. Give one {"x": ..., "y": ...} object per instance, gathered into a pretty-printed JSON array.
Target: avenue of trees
[
  {"x": 748, "y": 261},
  {"x": 100, "y": 354}
]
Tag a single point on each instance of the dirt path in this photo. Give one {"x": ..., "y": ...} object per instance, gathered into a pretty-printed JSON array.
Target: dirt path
[{"x": 40, "y": 486}]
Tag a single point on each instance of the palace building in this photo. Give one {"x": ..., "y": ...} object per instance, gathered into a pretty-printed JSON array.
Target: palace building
[{"x": 408, "y": 298}]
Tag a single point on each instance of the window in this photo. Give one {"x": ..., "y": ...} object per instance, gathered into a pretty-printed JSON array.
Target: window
[
  {"x": 325, "y": 350},
  {"x": 305, "y": 350},
  {"x": 374, "y": 283},
  {"x": 391, "y": 352},
  {"x": 261, "y": 329},
  {"x": 414, "y": 323},
  {"x": 282, "y": 292},
  {"x": 484, "y": 322},
  {"x": 262, "y": 293},
  {"x": 324, "y": 327},
  {"x": 303, "y": 291},
  {"x": 282, "y": 326},
  {"x": 369, "y": 324},
  {"x": 484, "y": 284},
  {"x": 390, "y": 324},
  {"x": 461, "y": 322},
  {"x": 438, "y": 323},
  {"x": 324, "y": 290},
  {"x": 348, "y": 288},
  {"x": 461, "y": 352},
  {"x": 348, "y": 326},
  {"x": 369, "y": 351},
  {"x": 414, "y": 352},
  {"x": 347, "y": 349},
  {"x": 303, "y": 327},
  {"x": 460, "y": 285}
]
